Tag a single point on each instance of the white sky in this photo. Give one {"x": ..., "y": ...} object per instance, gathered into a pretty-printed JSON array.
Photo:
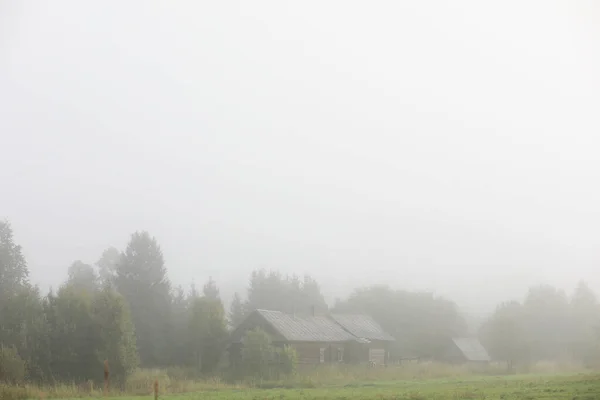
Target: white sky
[{"x": 450, "y": 146}]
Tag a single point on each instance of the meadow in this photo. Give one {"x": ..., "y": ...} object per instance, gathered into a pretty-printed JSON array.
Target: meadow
[
  {"x": 416, "y": 382},
  {"x": 573, "y": 387}
]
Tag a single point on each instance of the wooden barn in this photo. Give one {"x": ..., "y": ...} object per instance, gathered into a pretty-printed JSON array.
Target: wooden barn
[
  {"x": 317, "y": 339},
  {"x": 466, "y": 350}
]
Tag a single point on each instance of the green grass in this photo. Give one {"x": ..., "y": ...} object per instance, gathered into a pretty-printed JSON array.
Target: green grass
[{"x": 584, "y": 386}]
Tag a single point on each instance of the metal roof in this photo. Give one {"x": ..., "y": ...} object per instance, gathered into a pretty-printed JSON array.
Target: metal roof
[
  {"x": 362, "y": 326},
  {"x": 295, "y": 328},
  {"x": 472, "y": 349}
]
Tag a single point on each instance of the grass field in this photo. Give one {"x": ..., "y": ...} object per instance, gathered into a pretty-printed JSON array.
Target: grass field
[{"x": 527, "y": 387}]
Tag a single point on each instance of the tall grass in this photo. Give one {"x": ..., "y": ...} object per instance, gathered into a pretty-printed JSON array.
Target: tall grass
[
  {"x": 180, "y": 380},
  {"x": 10, "y": 392},
  {"x": 335, "y": 375},
  {"x": 171, "y": 380},
  {"x": 339, "y": 375}
]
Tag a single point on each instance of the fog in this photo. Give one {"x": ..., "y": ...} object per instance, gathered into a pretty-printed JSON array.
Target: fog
[{"x": 425, "y": 145}]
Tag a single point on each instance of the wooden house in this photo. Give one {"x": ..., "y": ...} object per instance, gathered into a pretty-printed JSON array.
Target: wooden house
[{"x": 318, "y": 339}]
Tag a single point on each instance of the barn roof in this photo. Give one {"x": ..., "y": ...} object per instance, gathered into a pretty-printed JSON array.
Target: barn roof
[
  {"x": 295, "y": 328},
  {"x": 362, "y": 326},
  {"x": 472, "y": 349}
]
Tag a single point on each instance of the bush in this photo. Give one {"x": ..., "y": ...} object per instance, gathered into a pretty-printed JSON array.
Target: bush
[
  {"x": 288, "y": 360},
  {"x": 257, "y": 354},
  {"x": 13, "y": 392},
  {"x": 12, "y": 366},
  {"x": 262, "y": 361}
]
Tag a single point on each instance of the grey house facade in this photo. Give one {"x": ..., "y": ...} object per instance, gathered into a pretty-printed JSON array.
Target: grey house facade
[{"x": 318, "y": 339}]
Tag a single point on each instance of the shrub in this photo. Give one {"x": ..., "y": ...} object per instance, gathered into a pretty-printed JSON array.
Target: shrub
[
  {"x": 13, "y": 392},
  {"x": 262, "y": 361},
  {"x": 12, "y": 366},
  {"x": 257, "y": 354},
  {"x": 288, "y": 360}
]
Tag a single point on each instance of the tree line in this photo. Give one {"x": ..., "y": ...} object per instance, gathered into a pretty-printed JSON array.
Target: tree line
[
  {"x": 122, "y": 310},
  {"x": 125, "y": 310},
  {"x": 547, "y": 325}
]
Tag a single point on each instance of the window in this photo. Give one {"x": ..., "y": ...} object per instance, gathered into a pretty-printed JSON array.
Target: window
[{"x": 322, "y": 355}]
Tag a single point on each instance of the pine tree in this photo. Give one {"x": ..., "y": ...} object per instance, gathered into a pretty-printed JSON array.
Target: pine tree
[
  {"x": 210, "y": 290},
  {"x": 141, "y": 277},
  {"x": 179, "y": 333},
  {"x": 22, "y": 322},
  {"x": 13, "y": 268},
  {"x": 273, "y": 291},
  {"x": 236, "y": 311},
  {"x": 207, "y": 332}
]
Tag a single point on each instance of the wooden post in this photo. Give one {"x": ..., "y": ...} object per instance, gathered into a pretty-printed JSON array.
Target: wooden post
[
  {"x": 156, "y": 389},
  {"x": 106, "y": 378}
]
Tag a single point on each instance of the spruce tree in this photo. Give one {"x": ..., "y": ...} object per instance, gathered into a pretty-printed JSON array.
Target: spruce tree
[{"x": 141, "y": 277}]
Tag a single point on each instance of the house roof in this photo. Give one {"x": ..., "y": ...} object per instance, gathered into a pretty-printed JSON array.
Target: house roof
[
  {"x": 295, "y": 328},
  {"x": 472, "y": 349},
  {"x": 362, "y": 326}
]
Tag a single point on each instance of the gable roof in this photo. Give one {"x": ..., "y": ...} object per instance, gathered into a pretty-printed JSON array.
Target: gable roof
[
  {"x": 472, "y": 349},
  {"x": 296, "y": 328},
  {"x": 362, "y": 326}
]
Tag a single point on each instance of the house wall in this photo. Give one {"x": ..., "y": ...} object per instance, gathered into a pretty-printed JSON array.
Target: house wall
[
  {"x": 318, "y": 353},
  {"x": 376, "y": 351}
]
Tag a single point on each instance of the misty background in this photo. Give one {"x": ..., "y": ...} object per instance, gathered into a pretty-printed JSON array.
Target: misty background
[{"x": 430, "y": 146}]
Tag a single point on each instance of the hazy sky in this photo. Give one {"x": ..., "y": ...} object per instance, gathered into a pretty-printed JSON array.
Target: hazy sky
[{"x": 451, "y": 146}]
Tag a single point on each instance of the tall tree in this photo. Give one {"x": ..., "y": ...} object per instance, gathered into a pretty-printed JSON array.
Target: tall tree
[
  {"x": 546, "y": 326},
  {"x": 116, "y": 335},
  {"x": 73, "y": 334},
  {"x": 194, "y": 293},
  {"x": 24, "y": 325},
  {"x": 236, "y": 311},
  {"x": 421, "y": 322},
  {"x": 107, "y": 266},
  {"x": 548, "y": 322},
  {"x": 210, "y": 290},
  {"x": 207, "y": 332},
  {"x": 179, "y": 320},
  {"x": 141, "y": 277},
  {"x": 13, "y": 268},
  {"x": 274, "y": 291},
  {"x": 83, "y": 276},
  {"x": 504, "y": 335},
  {"x": 22, "y": 320},
  {"x": 585, "y": 316},
  {"x": 311, "y": 291}
]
